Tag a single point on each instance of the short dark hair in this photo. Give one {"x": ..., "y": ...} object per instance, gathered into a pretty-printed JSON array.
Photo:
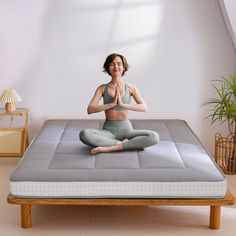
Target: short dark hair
[{"x": 110, "y": 59}]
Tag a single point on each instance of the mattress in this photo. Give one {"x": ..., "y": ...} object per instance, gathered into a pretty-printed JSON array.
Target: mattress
[{"x": 57, "y": 164}]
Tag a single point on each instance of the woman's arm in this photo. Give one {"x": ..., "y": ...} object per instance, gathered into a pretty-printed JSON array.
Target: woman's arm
[
  {"x": 140, "y": 106},
  {"x": 94, "y": 107}
]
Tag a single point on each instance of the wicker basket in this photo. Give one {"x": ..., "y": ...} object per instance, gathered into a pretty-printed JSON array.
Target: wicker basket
[{"x": 223, "y": 153}]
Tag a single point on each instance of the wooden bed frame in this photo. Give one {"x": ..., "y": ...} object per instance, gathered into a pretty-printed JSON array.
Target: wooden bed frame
[{"x": 214, "y": 203}]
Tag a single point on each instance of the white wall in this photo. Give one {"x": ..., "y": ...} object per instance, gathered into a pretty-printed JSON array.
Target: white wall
[{"x": 52, "y": 53}]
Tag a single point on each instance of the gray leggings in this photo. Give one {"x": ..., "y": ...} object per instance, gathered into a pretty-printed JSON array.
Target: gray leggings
[{"x": 114, "y": 131}]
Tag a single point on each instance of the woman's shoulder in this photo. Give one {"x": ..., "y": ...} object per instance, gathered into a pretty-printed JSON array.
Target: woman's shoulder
[{"x": 101, "y": 88}]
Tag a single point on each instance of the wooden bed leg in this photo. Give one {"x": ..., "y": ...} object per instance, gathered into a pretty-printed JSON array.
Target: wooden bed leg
[
  {"x": 26, "y": 218},
  {"x": 215, "y": 217}
]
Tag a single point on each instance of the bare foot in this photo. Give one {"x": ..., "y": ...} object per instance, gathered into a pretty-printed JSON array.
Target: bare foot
[
  {"x": 116, "y": 148},
  {"x": 96, "y": 150}
]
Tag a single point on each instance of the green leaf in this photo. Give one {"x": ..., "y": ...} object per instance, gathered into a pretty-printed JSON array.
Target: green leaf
[{"x": 223, "y": 107}]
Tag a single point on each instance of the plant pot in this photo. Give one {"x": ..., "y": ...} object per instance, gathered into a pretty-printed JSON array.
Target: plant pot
[
  {"x": 231, "y": 165},
  {"x": 224, "y": 153}
]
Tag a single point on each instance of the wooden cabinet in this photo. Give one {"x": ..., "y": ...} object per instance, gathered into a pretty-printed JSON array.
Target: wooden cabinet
[{"x": 13, "y": 136}]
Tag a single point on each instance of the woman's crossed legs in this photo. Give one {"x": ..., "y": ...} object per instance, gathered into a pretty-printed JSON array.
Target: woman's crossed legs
[{"x": 122, "y": 139}]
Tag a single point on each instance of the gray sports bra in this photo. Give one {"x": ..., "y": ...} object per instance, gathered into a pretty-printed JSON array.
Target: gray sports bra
[{"x": 108, "y": 99}]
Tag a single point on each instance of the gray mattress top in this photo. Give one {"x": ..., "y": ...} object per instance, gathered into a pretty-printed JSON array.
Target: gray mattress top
[{"x": 57, "y": 155}]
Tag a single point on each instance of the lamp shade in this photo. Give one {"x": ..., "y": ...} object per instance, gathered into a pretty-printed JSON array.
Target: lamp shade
[{"x": 10, "y": 96}]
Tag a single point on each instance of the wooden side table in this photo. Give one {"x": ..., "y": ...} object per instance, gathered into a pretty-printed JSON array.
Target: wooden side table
[{"x": 14, "y": 140}]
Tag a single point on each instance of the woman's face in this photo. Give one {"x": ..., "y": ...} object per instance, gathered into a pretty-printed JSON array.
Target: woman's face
[{"x": 116, "y": 67}]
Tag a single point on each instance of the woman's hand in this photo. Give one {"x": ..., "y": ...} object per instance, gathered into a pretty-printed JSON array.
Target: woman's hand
[
  {"x": 119, "y": 99},
  {"x": 115, "y": 99}
]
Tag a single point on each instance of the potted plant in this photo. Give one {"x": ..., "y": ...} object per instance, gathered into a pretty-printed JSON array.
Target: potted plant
[{"x": 223, "y": 109}]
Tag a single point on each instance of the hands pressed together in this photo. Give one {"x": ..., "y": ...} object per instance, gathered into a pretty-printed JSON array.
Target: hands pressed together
[{"x": 117, "y": 98}]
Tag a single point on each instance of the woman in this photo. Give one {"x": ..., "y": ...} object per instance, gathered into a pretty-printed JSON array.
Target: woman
[{"x": 117, "y": 133}]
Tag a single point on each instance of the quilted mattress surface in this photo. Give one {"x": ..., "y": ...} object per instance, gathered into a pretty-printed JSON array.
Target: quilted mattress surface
[{"x": 58, "y": 164}]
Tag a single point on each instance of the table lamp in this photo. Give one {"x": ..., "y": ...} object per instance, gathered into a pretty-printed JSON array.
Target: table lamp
[{"x": 10, "y": 97}]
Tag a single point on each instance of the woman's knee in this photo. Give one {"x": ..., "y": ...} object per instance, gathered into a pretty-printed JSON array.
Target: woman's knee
[
  {"x": 84, "y": 135},
  {"x": 154, "y": 137}
]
